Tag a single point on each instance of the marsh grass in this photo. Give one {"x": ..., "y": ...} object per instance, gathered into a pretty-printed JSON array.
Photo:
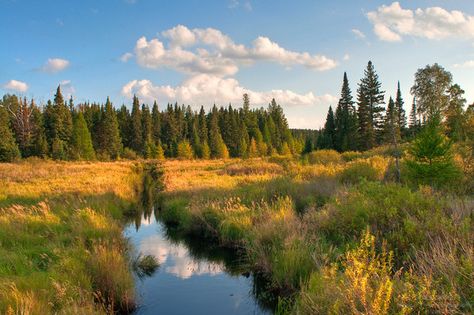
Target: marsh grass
[
  {"x": 61, "y": 248},
  {"x": 336, "y": 235}
]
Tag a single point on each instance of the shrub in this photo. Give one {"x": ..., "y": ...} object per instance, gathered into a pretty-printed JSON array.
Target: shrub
[
  {"x": 351, "y": 155},
  {"x": 431, "y": 159},
  {"x": 129, "y": 154},
  {"x": 358, "y": 171},
  {"x": 185, "y": 150},
  {"x": 324, "y": 157}
]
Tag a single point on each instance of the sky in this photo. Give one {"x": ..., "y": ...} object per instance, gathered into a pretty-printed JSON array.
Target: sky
[{"x": 211, "y": 52}]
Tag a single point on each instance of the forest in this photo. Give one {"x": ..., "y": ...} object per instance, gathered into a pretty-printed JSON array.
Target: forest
[{"x": 64, "y": 131}]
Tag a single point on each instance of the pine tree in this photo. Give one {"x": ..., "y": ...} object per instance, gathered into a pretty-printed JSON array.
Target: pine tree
[
  {"x": 123, "y": 119},
  {"x": 401, "y": 119},
  {"x": 8, "y": 148},
  {"x": 81, "y": 143},
  {"x": 414, "y": 121},
  {"x": 205, "y": 151},
  {"x": 431, "y": 159},
  {"x": 370, "y": 100},
  {"x": 58, "y": 125},
  {"x": 110, "y": 144},
  {"x": 147, "y": 130},
  {"x": 40, "y": 144},
  {"x": 136, "y": 133},
  {"x": 326, "y": 140},
  {"x": 345, "y": 120},
  {"x": 391, "y": 129},
  {"x": 156, "y": 122}
]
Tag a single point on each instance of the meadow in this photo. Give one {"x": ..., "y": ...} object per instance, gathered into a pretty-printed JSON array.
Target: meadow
[
  {"x": 61, "y": 244},
  {"x": 329, "y": 232},
  {"x": 333, "y": 233}
]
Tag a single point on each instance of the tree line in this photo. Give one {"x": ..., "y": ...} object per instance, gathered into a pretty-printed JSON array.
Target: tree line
[
  {"x": 88, "y": 131},
  {"x": 366, "y": 123}
]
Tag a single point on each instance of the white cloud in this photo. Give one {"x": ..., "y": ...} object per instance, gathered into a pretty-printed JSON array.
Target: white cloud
[
  {"x": 54, "y": 65},
  {"x": 392, "y": 22},
  {"x": 234, "y": 4},
  {"x": 466, "y": 64},
  {"x": 358, "y": 33},
  {"x": 204, "y": 89},
  {"x": 15, "y": 85},
  {"x": 210, "y": 51},
  {"x": 126, "y": 57},
  {"x": 346, "y": 57}
]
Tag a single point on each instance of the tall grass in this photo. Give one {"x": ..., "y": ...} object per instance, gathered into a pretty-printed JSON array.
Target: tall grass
[{"x": 61, "y": 247}]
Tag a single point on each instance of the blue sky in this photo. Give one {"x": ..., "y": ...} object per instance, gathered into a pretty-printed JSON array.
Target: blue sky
[{"x": 201, "y": 52}]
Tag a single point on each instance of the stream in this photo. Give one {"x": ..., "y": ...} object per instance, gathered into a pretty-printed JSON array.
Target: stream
[{"x": 193, "y": 277}]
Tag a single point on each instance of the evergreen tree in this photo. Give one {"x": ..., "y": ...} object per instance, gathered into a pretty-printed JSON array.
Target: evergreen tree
[
  {"x": 370, "y": 100},
  {"x": 147, "y": 130},
  {"x": 40, "y": 144},
  {"x": 58, "y": 125},
  {"x": 81, "y": 142},
  {"x": 156, "y": 122},
  {"x": 401, "y": 119},
  {"x": 326, "y": 140},
  {"x": 414, "y": 123},
  {"x": 8, "y": 148},
  {"x": 308, "y": 146},
  {"x": 110, "y": 144},
  {"x": 391, "y": 129},
  {"x": 123, "y": 119},
  {"x": 136, "y": 133},
  {"x": 432, "y": 161},
  {"x": 345, "y": 120},
  {"x": 205, "y": 151}
]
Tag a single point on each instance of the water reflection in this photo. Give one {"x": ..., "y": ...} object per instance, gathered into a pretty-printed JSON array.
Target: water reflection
[{"x": 194, "y": 277}]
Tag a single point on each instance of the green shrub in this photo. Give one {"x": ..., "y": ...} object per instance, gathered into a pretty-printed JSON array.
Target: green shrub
[
  {"x": 358, "y": 171},
  {"x": 324, "y": 157},
  {"x": 349, "y": 156}
]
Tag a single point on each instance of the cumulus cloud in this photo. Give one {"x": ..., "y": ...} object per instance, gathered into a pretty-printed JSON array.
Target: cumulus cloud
[
  {"x": 207, "y": 89},
  {"x": 466, "y": 64},
  {"x": 209, "y": 51},
  {"x": 54, "y": 65},
  {"x": 15, "y": 85},
  {"x": 392, "y": 22},
  {"x": 346, "y": 57}
]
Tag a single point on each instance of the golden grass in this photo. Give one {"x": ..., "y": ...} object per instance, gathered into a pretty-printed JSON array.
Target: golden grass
[{"x": 47, "y": 179}]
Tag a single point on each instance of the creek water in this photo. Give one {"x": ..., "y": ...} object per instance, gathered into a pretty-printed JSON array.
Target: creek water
[{"x": 193, "y": 277}]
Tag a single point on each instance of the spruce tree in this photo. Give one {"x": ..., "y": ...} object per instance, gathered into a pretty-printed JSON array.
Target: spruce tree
[
  {"x": 401, "y": 119},
  {"x": 8, "y": 148},
  {"x": 345, "y": 120},
  {"x": 136, "y": 133},
  {"x": 326, "y": 140},
  {"x": 147, "y": 129},
  {"x": 414, "y": 123},
  {"x": 81, "y": 142},
  {"x": 391, "y": 129},
  {"x": 370, "y": 100},
  {"x": 156, "y": 122},
  {"x": 110, "y": 144}
]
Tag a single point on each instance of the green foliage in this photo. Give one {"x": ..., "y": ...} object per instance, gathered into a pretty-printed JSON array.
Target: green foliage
[
  {"x": 185, "y": 151},
  {"x": 358, "y": 171},
  {"x": 81, "y": 143},
  {"x": 324, "y": 157},
  {"x": 431, "y": 158},
  {"x": 8, "y": 148}
]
